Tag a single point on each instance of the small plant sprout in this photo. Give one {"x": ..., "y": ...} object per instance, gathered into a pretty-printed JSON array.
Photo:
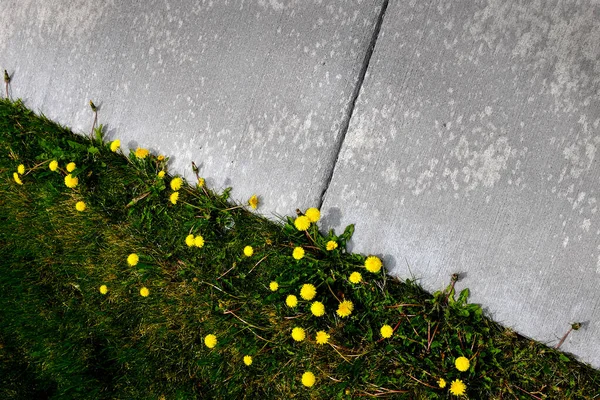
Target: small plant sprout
[
  {"x": 6, "y": 82},
  {"x": 95, "y": 111},
  {"x": 574, "y": 327}
]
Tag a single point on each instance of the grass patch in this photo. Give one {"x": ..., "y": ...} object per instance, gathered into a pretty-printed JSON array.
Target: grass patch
[{"x": 62, "y": 338}]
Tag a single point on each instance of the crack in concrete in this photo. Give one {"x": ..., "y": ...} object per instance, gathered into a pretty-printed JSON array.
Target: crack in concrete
[{"x": 355, "y": 93}]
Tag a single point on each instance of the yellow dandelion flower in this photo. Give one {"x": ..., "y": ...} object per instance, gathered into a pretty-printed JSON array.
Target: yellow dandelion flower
[
  {"x": 308, "y": 379},
  {"x": 210, "y": 341},
  {"x": 355, "y": 277},
  {"x": 253, "y": 202},
  {"x": 71, "y": 181},
  {"x": 144, "y": 292},
  {"x": 248, "y": 360},
  {"x": 53, "y": 165},
  {"x": 345, "y": 308},
  {"x": 302, "y": 223},
  {"x": 373, "y": 264},
  {"x": 160, "y": 158},
  {"x": 322, "y": 337},
  {"x": 80, "y": 206},
  {"x": 71, "y": 167},
  {"x": 199, "y": 241},
  {"x": 141, "y": 153},
  {"x": 308, "y": 291},
  {"x": 458, "y": 387},
  {"x": 462, "y": 364},
  {"x": 103, "y": 289},
  {"x": 200, "y": 182},
  {"x": 17, "y": 179},
  {"x": 174, "y": 197},
  {"x": 386, "y": 331},
  {"x": 442, "y": 383},
  {"x": 298, "y": 253},
  {"x": 318, "y": 309},
  {"x": 331, "y": 245},
  {"x": 21, "y": 169},
  {"x": 133, "y": 259},
  {"x": 248, "y": 251},
  {"x": 114, "y": 145},
  {"x": 176, "y": 183},
  {"x": 291, "y": 301},
  {"x": 313, "y": 214},
  {"x": 298, "y": 334},
  {"x": 161, "y": 174},
  {"x": 273, "y": 286},
  {"x": 189, "y": 240}
]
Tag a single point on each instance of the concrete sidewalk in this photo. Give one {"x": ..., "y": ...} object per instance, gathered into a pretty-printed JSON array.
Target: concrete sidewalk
[{"x": 466, "y": 142}]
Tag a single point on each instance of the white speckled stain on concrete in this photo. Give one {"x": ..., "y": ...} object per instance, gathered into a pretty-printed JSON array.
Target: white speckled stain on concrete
[{"x": 472, "y": 148}]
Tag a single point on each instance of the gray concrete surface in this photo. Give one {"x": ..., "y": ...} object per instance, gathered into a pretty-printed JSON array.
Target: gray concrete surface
[
  {"x": 473, "y": 149},
  {"x": 256, "y": 93}
]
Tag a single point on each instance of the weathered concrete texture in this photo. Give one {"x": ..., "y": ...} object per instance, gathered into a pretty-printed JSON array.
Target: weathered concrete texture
[
  {"x": 472, "y": 149},
  {"x": 254, "y": 92}
]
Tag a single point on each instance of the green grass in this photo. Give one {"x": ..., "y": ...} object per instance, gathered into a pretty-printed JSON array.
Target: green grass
[{"x": 61, "y": 338}]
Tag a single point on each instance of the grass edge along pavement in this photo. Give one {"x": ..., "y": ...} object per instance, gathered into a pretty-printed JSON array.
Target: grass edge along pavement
[{"x": 122, "y": 281}]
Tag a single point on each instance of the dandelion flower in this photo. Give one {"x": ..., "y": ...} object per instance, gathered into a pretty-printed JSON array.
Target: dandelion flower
[
  {"x": 210, "y": 341},
  {"x": 457, "y": 387},
  {"x": 298, "y": 334},
  {"x": 53, "y": 165},
  {"x": 189, "y": 240},
  {"x": 373, "y": 264},
  {"x": 302, "y": 223},
  {"x": 355, "y": 277},
  {"x": 253, "y": 202},
  {"x": 331, "y": 245},
  {"x": 161, "y": 174},
  {"x": 199, "y": 241},
  {"x": 103, "y": 289},
  {"x": 21, "y": 169},
  {"x": 174, "y": 197},
  {"x": 291, "y": 301},
  {"x": 71, "y": 167},
  {"x": 71, "y": 181},
  {"x": 200, "y": 182},
  {"x": 298, "y": 253},
  {"x": 17, "y": 179},
  {"x": 80, "y": 206},
  {"x": 176, "y": 183},
  {"x": 462, "y": 364},
  {"x": 114, "y": 145},
  {"x": 386, "y": 331},
  {"x": 248, "y": 251},
  {"x": 318, "y": 309},
  {"x": 308, "y": 291},
  {"x": 442, "y": 383},
  {"x": 160, "y": 158},
  {"x": 313, "y": 214},
  {"x": 248, "y": 360},
  {"x": 141, "y": 153},
  {"x": 144, "y": 292},
  {"x": 345, "y": 308},
  {"x": 308, "y": 379},
  {"x": 133, "y": 259},
  {"x": 273, "y": 286},
  {"x": 322, "y": 337}
]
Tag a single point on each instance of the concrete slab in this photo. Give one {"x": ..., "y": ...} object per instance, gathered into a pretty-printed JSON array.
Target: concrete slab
[
  {"x": 254, "y": 92},
  {"x": 473, "y": 149}
]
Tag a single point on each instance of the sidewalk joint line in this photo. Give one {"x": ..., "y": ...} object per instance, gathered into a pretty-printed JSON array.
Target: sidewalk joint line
[{"x": 355, "y": 93}]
